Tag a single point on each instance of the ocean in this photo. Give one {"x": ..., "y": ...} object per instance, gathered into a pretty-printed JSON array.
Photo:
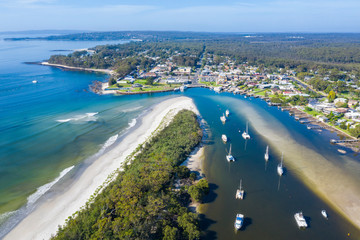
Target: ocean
[{"x": 49, "y": 130}]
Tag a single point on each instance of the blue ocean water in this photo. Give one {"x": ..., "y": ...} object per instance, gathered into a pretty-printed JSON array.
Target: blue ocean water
[{"x": 50, "y": 126}]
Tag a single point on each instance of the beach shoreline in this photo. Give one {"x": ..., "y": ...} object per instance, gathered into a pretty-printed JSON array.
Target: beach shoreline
[
  {"x": 43, "y": 222},
  {"x": 107, "y": 71}
]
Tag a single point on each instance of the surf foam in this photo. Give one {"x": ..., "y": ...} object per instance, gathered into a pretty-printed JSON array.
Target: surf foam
[{"x": 44, "y": 188}]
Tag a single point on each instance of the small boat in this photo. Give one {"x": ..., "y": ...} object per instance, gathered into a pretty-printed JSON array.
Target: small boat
[
  {"x": 267, "y": 153},
  {"x": 300, "y": 220},
  {"x": 227, "y": 112},
  {"x": 324, "y": 213},
  {"x": 34, "y": 81},
  {"x": 223, "y": 118},
  {"x": 239, "y": 220},
  {"x": 240, "y": 192},
  {"x": 224, "y": 138},
  {"x": 280, "y": 168},
  {"x": 230, "y": 157},
  {"x": 245, "y": 134}
]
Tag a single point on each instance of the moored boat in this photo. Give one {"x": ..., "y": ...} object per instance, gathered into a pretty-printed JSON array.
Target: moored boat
[
  {"x": 239, "y": 220},
  {"x": 223, "y": 118},
  {"x": 324, "y": 213},
  {"x": 280, "y": 168},
  {"x": 230, "y": 157},
  {"x": 300, "y": 220},
  {"x": 245, "y": 134},
  {"x": 267, "y": 153},
  {"x": 34, "y": 81},
  {"x": 227, "y": 112},
  {"x": 240, "y": 192},
  {"x": 224, "y": 138}
]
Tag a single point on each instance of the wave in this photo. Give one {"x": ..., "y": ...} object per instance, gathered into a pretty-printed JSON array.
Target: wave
[
  {"x": 44, "y": 188},
  {"x": 87, "y": 117},
  {"x": 131, "y": 109},
  {"x": 132, "y": 123}
]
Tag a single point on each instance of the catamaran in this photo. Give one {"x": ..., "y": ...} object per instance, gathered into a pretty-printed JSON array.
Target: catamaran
[
  {"x": 224, "y": 138},
  {"x": 267, "y": 153},
  {"x": 239, "y": 220},
  {"x": 227, "y": 112},
  {"x": 280, "y": 168},
  {"x": 245, "y": 134},
  {"x": 230, "y": 157},
  {"x": 223, "y": 118},
  {"x": 300, "y": 220},
  {"x": 239, "y": 192}
]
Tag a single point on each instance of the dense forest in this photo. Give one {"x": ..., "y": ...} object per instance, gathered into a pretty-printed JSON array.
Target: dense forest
[
  {"x": 341, "y": 51},
  {"x": 141, "y": 203}
]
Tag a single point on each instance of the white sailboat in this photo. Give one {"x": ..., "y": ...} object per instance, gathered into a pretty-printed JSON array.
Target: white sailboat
[
  {"x": 223, "y": 118},
  {"x": 240, "y": 192},
  {"x": 245, "y": 134},
  {"x": 227, "y": 112},
  {"x": 224, "y": 138},
  {"x": 300, "y": 220},
  {"x": 280, "y": 168},
  {"x": 239, "y": 220},
  {"x": 230, "y": 157},
  {"x": 267, "y": 153}
]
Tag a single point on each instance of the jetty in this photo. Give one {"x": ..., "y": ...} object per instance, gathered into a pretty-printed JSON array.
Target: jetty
[{"x": 344, "y": 141}]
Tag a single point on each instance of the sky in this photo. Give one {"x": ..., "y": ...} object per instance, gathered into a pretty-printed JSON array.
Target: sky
[{"x": 184, "y": 15}]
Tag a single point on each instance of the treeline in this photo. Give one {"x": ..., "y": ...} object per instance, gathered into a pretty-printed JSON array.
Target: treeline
[
  {"x": 141, "y": 202},
  {"x": 124, "y": 58},
  {"x": 313, "y": 51}
]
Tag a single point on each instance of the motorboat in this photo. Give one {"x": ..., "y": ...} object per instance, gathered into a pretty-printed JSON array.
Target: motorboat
[
  {"x": 300, "y": 220},
  {"x": 239, "y": 220}
]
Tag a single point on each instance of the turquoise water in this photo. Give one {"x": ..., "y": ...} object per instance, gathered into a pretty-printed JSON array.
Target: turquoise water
[{"x": 50, "y": 128}]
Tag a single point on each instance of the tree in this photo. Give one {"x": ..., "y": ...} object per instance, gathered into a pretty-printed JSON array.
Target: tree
[
  {"x": 170, "y": 233},
  {"x": 149, "y": 81},
  {"x": 331, "y": 96}
]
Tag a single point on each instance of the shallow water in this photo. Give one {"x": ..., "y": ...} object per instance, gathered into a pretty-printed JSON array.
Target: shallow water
[{"x": 270, "y": 201}]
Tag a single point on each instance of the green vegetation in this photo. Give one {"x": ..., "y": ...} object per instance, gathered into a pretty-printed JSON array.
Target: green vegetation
[{"x": 140, "y": 202}]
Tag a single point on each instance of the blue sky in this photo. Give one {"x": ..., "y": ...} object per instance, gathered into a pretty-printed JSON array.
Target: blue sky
[{"x": 185, "y": 15}]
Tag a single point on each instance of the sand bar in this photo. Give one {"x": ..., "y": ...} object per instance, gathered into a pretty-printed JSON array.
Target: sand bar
[
  {"x": 335, "y": 179},
  {"x": 44, "y": 220},
  {"x": 107, "y": 71}
]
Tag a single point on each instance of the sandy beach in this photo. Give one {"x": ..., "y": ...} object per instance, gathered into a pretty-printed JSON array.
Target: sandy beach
[
  {"x": 45, "y": 219},
  {"x": 107, "y": 71}
]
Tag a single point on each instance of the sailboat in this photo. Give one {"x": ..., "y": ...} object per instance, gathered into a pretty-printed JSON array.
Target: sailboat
[
  {"x": 224, "y": 138},
  {"x": 280, "y": 168},
  {"x": 267, "y": 153},
  {"x": 230, "y": 157},
  {"x": 227, "y": 112},
  {"x": 324, "y": 213},
  {"x": 239, "y": 192},
  {"x": 245, "y": 134},
  {"x": 223, "y": 118}
]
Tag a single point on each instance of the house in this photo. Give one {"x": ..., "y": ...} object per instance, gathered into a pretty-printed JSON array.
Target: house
[
  {"x": 340, "y": 100},
  {"x": 322, "y": 118},
  {"x": 352, "y": 115},
  {"x": 352, "y": 103}
]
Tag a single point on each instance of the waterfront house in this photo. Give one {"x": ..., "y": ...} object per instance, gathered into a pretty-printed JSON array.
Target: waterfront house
[{"x": 322, "y": 118}]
